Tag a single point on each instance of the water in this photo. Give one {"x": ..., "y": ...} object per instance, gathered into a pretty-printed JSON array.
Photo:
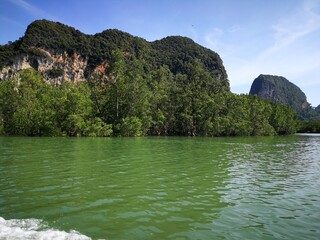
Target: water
[{"x": 160, "y": 188}]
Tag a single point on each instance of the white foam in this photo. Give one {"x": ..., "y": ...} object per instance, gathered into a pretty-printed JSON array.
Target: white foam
[{"x": 27, "y": 229}]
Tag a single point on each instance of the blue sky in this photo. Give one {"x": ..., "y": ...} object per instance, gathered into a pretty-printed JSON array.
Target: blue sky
[{"x": 278, "y": 37}]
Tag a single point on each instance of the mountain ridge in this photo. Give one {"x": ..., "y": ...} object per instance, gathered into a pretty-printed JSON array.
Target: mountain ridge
[{"x": 59, "y": 39}]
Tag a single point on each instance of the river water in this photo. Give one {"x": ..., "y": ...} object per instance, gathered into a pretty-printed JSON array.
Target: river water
[{"x": 160, "y": 188}]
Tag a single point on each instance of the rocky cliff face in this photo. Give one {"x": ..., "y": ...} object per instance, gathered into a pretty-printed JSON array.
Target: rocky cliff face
[
  {"x": 278, "y": 89},
  {"x": 54, "y": 67},
  {"x": 12, "y": 71}
]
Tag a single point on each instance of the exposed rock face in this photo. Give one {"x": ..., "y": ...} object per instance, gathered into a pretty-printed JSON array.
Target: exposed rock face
[
  {"x": 55, "y": 68},
  {"x": 278, "y": 89},
  {"x": 11, "y": 72}
]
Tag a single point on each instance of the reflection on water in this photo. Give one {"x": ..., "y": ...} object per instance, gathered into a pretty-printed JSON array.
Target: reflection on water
[{"x": 165, "y": 188}]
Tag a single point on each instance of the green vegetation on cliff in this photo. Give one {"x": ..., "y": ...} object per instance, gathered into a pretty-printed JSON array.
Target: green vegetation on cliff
[
  {"x": 279, "y": 90},
  {"x": 168, "y": 87},
  {"x": 175, "y": 52}
]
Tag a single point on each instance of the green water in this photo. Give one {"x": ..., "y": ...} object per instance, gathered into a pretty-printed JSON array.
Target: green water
[{"x": 165, "y": 188}]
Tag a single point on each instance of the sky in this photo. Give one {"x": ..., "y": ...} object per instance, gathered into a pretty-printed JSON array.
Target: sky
[{"x": 253, "y": 37}]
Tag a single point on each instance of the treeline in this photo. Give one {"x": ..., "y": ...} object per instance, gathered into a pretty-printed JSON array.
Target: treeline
[
  {"x": 309, "y": 127},
  {"x": 137, "y": 100},
  {"x": 32, "y": 107}
]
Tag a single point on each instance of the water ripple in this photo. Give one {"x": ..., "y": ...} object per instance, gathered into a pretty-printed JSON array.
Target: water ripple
[{"x": 165, "y": 188}]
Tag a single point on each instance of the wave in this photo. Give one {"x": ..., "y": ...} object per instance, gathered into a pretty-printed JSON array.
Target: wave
[{"x": 30, "y": 229}]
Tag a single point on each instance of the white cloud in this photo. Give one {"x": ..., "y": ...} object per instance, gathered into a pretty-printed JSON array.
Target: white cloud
[
  {"x": 295, "y": 26},
  {"x": 291, "y": 53}
]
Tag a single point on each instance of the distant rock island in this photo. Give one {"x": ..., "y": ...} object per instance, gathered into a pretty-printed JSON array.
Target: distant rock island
[{"x": 280, "y": 90}]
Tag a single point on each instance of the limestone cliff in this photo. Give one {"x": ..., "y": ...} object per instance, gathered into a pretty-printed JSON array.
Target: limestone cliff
[
  {"x": 278, "y": 89},
  {"x": 54, "y": 67}
]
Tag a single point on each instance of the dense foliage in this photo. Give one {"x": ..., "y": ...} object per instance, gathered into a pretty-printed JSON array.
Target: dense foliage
[
  {"x": 136, "y": 102},
  {"x": 309, "y": 127},
  {"x": 32, "y": 107}
]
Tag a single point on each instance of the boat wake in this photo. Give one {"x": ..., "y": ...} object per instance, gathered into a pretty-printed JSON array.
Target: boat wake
[{"x": 27, "y": 229}]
